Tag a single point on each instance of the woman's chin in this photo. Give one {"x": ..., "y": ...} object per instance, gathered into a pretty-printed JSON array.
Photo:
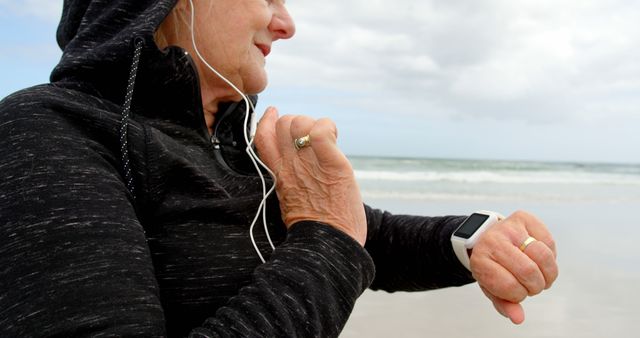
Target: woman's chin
[
  {"x": 254, "y": 79},
  {"x": 256, "y": 86}
]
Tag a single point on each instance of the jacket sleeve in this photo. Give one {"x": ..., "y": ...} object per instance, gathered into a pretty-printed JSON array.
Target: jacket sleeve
[
  {"x": 307, "y": 289},
  {"x": 413, "y": 253},
  {"x": 74, "y": 259}
]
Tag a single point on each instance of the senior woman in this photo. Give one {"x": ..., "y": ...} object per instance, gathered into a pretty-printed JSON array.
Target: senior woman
[{"x": 126, "y": 193}]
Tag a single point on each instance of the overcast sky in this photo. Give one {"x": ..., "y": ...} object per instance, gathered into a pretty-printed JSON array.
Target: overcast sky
[{"x": 498, "y": 79}]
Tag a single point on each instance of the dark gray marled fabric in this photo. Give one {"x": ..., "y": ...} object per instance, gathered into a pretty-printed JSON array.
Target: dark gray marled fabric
[{"x": 80, "y": 257}]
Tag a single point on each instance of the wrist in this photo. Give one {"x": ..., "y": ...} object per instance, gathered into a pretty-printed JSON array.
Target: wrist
[{"x": 467, "y": 234}]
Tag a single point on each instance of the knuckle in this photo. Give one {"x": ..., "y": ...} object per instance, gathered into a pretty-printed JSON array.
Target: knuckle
[
  {"x": 534, "y": 280},
  {"x": 536, "y": 288},
  {"x": 510, "y": 284},
  {"x": 551, "y": 280},
  {"x": 540, "y": 286},
  {"x": 555, "y": 271},
  {"x": 301, "y": 123},
  {"x": 520, "y": 214},
  {"x": 520, "y": 296},
  {"x": 528, "y": 271},
  {"x": 327, "y": 121},
  {"x": 323, "y": 127},
  {"x": 329, "y": 124},
  {"x": 546, "y": 255},
  {"x": 514, "y": 291},
  {"x": 286, "y": 118},
  {"x": 282, "y": 122},
  {"x": 551, "y": 275},
  {"x": 551, "y": 243}
]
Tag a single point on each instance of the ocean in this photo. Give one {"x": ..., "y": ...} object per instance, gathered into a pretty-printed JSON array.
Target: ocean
[
  {"x": 589, "y": 207},
  {"x": 505, "y": 181}
]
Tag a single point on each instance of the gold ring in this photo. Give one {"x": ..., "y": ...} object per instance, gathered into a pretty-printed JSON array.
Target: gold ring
[
  {"x": 302, "y": 142},
  {"x": 526, "y": 243}
]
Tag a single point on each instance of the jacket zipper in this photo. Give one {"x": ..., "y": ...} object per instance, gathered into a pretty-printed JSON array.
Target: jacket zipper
[
  {"x": 198, "y": 107},
  {"x": 215, "y": 141}
]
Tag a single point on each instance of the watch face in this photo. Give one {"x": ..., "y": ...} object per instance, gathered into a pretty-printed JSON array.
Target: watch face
[{"x": 471, "y": 225}]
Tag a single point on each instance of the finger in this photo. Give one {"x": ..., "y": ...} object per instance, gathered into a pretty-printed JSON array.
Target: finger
[
  {"x": 498, "y": 280},
  {"x": 543, "y": 251},
  {"x": 283, "y": 134},
  {"x": 513, "y": 311},
  {"x": 266, "y": 140},
  {"x": 544, "y": 258},
  {"x": 323, "y": 141},
  {"x": 522, "y": 267},
  {"x": 301, "y": 126},
  {"x": 538, "y": 230}
]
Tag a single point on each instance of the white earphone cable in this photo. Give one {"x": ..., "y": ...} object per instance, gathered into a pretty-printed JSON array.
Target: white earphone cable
[{"x": 250, "y": 110}]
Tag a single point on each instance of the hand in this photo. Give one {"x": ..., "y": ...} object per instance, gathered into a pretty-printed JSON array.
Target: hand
[
  {"x": 508, "y": 275},
  {"x": 314, "y": 183}
]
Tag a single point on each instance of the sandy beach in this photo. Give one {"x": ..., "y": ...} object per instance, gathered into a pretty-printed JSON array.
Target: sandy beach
[{"x": 594, "y": 295}]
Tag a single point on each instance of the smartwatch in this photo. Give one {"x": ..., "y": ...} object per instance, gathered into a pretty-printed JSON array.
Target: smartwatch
[{"x": 467, "y": 234}]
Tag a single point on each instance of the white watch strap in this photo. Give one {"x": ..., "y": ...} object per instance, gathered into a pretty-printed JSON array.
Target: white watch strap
[{"x": 461, "y": 253}]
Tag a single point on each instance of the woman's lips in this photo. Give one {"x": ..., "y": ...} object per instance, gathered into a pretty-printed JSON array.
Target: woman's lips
[{"x": 265, "y": 49}]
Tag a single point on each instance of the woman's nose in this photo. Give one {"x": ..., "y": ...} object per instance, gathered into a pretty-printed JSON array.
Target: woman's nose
[{"x": 282, "y": 25}]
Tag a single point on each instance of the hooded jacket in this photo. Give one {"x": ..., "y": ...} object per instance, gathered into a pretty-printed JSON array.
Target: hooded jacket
[{"x": 84, "y": 253}]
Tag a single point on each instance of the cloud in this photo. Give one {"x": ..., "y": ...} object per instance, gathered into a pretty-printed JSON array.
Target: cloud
[
  {"x": 47, "y": 10},
  {"x": 531, "y": 60}
]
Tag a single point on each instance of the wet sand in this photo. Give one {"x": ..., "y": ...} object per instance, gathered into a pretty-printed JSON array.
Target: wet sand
[{"x": 595, "y": 295}]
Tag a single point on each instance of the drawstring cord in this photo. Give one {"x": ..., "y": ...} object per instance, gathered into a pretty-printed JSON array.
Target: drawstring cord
[{"x": 126, "y": 113}]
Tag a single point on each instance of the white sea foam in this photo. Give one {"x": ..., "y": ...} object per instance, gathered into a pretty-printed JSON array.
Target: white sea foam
[
  {"x": 397, "y": 195},
  {"x": 511, "y": 197},
  {"x": 507, "y": 177}
]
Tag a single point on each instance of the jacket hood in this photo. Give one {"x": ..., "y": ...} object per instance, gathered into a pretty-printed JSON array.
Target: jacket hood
[{"x": 97, "y": 40}]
